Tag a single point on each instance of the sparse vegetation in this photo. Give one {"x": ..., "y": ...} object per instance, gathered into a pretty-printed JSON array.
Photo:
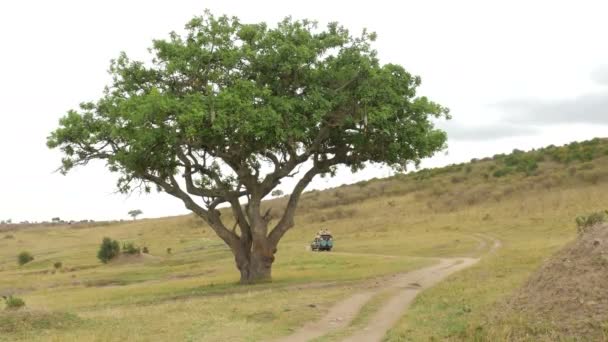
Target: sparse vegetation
[
  {"x": 24, "y": 257},
  {"x": 28, "y": 325},
  {"x": 564, "y": 300},
  {"x": 108, "y": 250},
  {"x": 130, "y": 248},
  {"x": 584, "y": 222},
  {"x": 13, "y": 303}
]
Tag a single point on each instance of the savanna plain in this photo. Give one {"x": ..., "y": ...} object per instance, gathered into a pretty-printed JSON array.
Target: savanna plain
[{"x": 186, "y": 287}]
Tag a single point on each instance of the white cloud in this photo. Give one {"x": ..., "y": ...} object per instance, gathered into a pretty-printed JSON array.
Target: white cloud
[
  {"x": 589, "y": 107},
  {"x": 600, "y": 75},
  {"x": 485, "y": 132}
]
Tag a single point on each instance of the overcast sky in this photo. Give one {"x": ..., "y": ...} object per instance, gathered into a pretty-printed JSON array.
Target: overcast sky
[{"x": 515, "y": 74}]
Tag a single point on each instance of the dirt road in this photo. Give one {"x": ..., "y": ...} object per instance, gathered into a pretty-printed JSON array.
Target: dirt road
[{"x": 407, "y": 285}]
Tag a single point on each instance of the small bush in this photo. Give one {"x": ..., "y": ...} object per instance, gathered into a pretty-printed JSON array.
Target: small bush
[
  {"x": 584, "y": 222},
  {"x": 501, "y": 172},
  {"x": 9, "y": 236},
  {"x": 24, "y": 257},
  {"x": 145, "y": 250},
  {"x": 277, "y": 193},
  {"x": 169, "y": 250},
  {"x": 13, "y": 303},
  {"x": 130, "y": 248},
  {"x": 109, "y": 249},
  {"x": 58, "y": 265}
]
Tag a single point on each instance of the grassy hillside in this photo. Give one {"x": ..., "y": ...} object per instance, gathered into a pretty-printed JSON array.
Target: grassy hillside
[{"x": 528, "y": 200}]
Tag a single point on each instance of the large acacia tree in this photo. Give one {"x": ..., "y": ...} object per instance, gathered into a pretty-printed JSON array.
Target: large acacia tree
[{"x": 225, "y": 111}]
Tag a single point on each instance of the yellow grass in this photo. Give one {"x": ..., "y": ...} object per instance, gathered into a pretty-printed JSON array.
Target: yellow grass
[{"x": 380, "y": 227}]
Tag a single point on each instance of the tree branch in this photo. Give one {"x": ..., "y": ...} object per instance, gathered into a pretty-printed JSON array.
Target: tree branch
[
  {"x": 172, "y": 187},
  {"x": 286, "y": 221}
]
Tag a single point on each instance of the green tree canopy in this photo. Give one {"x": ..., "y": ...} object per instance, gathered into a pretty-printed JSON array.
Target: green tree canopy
[
  {"x": 226, "y": 110},
  {"x": 277, "y": 193},
  {"x": 135, "y": 212}
]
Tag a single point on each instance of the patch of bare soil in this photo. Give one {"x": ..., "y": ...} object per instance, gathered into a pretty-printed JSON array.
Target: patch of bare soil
[
  {"x": 408, "y": 285},
  {"x": 570, "y": 291}
]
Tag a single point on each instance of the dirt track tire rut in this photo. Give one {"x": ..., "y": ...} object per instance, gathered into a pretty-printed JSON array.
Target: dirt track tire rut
[{"x": 343, "y": 313}]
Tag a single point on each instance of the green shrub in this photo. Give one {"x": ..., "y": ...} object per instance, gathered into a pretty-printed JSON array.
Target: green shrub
[
  {"x": 109, "y": 249},
  {"x": 145, "y": 250},
  {"x": 58, "y": 265},
  {"x": 501, "y": 172},
  {"x": 169, "y": 250},
  {"x": 13, "y": 303},
  {"x": 583, "y": 222},
  {"x": 130, "y": 248},
  {"x": 24, "y": 257},
  {"x": 528, "y": 167}
]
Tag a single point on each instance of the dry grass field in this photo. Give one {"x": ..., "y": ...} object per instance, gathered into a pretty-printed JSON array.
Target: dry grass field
[{"x": 528, "y": 201}]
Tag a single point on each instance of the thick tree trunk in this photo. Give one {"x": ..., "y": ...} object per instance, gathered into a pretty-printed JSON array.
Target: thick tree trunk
[{"x": 255, "y": 265}]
